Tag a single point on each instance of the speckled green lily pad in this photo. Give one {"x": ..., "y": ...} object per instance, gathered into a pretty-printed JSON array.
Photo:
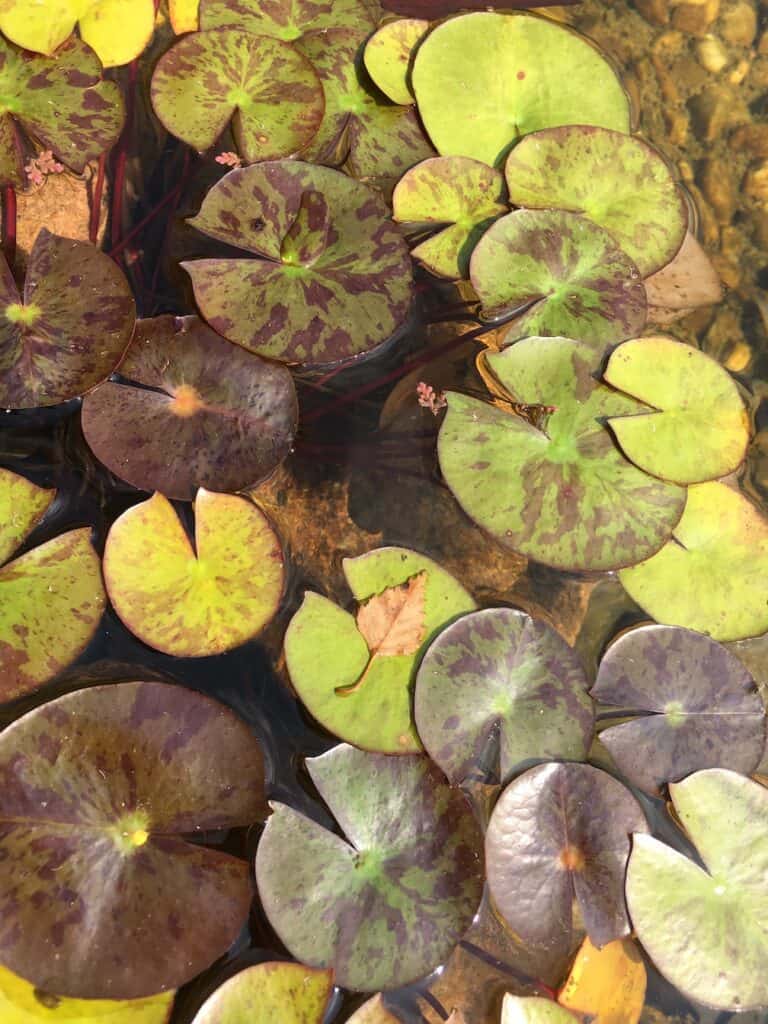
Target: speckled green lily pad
[
  {"x": 289, "y": 19},
  {"x": 385, "y": 902},
  {"x": 270, "y": 992},
  {"x": 389, "y": 55}
]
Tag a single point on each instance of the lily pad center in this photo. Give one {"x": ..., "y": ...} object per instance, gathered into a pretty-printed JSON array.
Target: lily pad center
[
  {"x": 186, "y": 402},
  {"x": 131, "y": 832},
  {"x": 18, "y": 313}
]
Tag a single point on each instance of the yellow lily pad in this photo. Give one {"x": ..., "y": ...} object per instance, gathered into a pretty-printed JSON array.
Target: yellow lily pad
[
  {"x": 184, "y": 15},
  {"x": 606, "y": 986}
]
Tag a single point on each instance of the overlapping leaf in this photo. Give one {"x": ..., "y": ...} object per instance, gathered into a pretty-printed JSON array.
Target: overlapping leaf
[
  {"x": 373, "y": 1011},
  {"x": 342, "y": 285},
  {"x": 69, "y": 329},
  {"x": 268, "y": 992},
  {"x": 194, "y": 602},
  {"x": 606, "y": 986},
  {"x": 533, "y": 1010},
  {"x": 687, "y": 282},
  {"x": 184, "y": 15},
  {"x": 389, "y": 55},
  {"x": 191, "y": 410},
  {"x": 289, "y": 19},
  {"x": 387, "y": 903},
  {"x": 101, "y": 897}
]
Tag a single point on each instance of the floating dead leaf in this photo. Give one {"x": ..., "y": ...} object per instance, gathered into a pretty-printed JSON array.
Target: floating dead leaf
[
  {"x": 606, "y": 986},
  {"x": 688, "y": 281}
]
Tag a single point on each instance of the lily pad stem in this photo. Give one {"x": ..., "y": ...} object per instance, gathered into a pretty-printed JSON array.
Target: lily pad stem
[{"x": 9, "y": 224}]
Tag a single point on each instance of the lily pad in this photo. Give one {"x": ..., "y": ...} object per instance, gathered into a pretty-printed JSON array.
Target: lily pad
[
  {"x": 268, "y": 992},
  {"x": 265, "y": 86},
  {"x": 389, "y": 55},
  {"x": 558, "y": 836},
  {"x": 373, "y": 1011},
  {"x": 700, "y": 707},
  {"x": 482, "y": 81},
  {"x": 564, "y": 274},
  {"x": 606, "y": 985},
  {"x": 328, "y": 276},
  {"x": 289, "y": 19},
  {"x": 533, "y": 1010},
  {"x": 460, "y": 195},
  {"x": 556, "y": 489},
  {"x": 192, "y": 602},
  {"x": 387, "y": 903},
  {"x": 68, "y": 330},
  {"x": 184, "y": 15},
  {"x": 61, "y": 101},
  {"x": 717, "y": 950},
  {"x": 616, "y": 180},
  {"x": 687, "y": 282},
  {"x": 697, "y": 428},
  {"x": 349, "y": 671},
  {"x": 102, "y": 897},
  {"x": 51, "y": 598},
  {"x": 226, "y": 417},
  {"x": 711, "y": 574},
  {"x": 497, "y": 681}
]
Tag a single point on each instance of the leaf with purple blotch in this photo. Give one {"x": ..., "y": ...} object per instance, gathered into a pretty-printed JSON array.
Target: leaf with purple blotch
[
  {"x": 696, "y": 706},
  {"x": 389, "y": 55},
  {"x": 61, "y": 101},
  {"x": 345, "y": 289},
  {"x": 497, "y": 688},
  {"x": 69, "y": 329},
  {"x": 102, "y": 896},
  {"x": 559, "y": 835},
  {"x": 290, "y": 19},
  {"x": 384, "y": 902},
  {"x": 269, "y": 91},
  {"x": 269, "y": 992}
]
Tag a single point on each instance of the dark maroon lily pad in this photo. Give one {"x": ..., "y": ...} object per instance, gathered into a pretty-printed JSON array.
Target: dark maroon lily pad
[
  {"x": 101, "y": 895},
  {"x": 327, "y": 277},
  {"x": 700, "y": 707},
  {"x": 191, "y": 410},
  {"x": 559, "y": 835},
  {"x": 387, "y": 903},
  {"x": 499, "y": 686},
  {"x": 69, "y": 330},
  {"x": 59, "y": 101},
  {"x": 289, "y": 19}
]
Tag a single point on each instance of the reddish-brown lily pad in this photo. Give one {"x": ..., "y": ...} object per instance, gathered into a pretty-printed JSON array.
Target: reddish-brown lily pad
[
  {"x": 559, "y": 835},
  {"x": 191, "y": 410},
  {"x": 68, "y": 330},
  {"x": 697, "y": 706},
  {"x": 101, "y": 896},
  {"x": 270, "y": 992},
  {"x": 327, "y": 276}
]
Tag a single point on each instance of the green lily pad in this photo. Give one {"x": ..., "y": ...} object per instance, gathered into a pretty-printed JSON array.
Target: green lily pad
[
  {"x": 497, "y": 681},
  {"x": 387, "y": 903},
  {"x": 69, "y": 329},
  {"x": 356, "y": 690},
  {"x": 265, "y": 86},
  {"x": 51, "y": 598},
  {"x": 289, "y": 19},
  {"x": 102, "y": 897},
  {"x": 462, "y": 196},
  {"x": 533, "y": 1010},
  {"x": 373, "y": 1011},
  {"x": 389, "y": 55},
  {"x": 483, "y": 80},
  {"x": 699, "y": 706},
  {"x": 61, "y": 101},
  {"x": 194, "y": 602},
  {"x": 268, "y": 992},
  {"x": 717, "y": 948},
  {"x": 697, "y": 428},
  {"x": 616, "y": 180},
  {"x": 565, "y": 275},
  {"x": 711, "y": 574},
  {"x": 339, "y": 288},
  {"x": 559, "y": 492},
  {"x": 226, "y": 417},
  {"x": 559, "y": 835}
]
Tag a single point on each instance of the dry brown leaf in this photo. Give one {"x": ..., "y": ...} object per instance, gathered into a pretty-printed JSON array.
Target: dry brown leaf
[
  {"x": 606, "y": 986},
  {"x": 689, "y": 281}
]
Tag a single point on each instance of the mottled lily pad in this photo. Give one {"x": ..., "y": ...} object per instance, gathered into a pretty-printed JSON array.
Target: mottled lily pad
[
  {"x": 700, "y": 707},
  {"x": 687, "y": 282},
  {"x": 269, "y": 992},
  {"x": 711, "y": 575},
  {"x": 696, "y": 428},
  {"x": 68, "y": 330},
  {"x": 556, "y": 489},
  {"x": 101, "y": 896},
  {"x": 192, "y": 602},
  {"x": 51, "y": 598},
  {"x": 289, "y": 19},
  {"x": 385, "y": 903},
  {"x": 481, "y": 83},
  {"x": 389, "y": 55},
  {"x": 563, "y": 273},
  {"x": 460, "y": 195},
  {"x": 354, "y": 689},
  {"x": 226, "y": 417},
  {"x": 558, "y": 836},
  {"x": 266, "y": 87},
  {"x": 500, "y": 683},
  {"x": 533, "y": 1010},
  {"x": 705, "y": 929},
  {"x": 616, "y": 180},
  {"x": 328, "y": 276},
  {"x": 61, "y": 101}
]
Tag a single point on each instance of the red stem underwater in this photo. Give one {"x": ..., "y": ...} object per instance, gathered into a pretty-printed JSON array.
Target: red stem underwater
[
  {"x": 9, "y": 224},
  {"x": 122, "y": 156},
  {"x": 98, "y": 192}
]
